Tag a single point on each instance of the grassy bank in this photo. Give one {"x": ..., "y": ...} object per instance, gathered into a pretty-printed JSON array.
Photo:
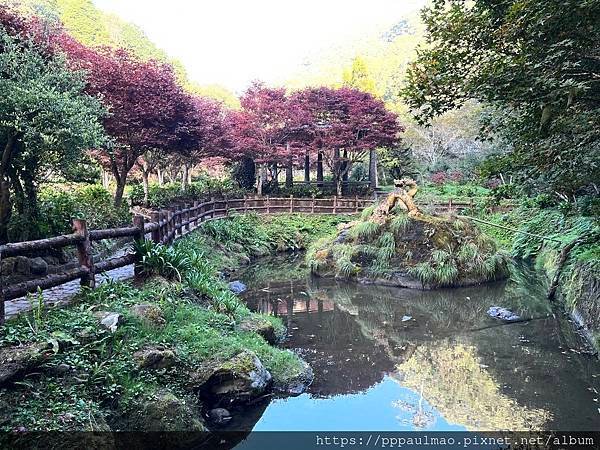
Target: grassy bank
[
  {"x": 78, "y": 375},
  {"x": 578, "y": 290}
]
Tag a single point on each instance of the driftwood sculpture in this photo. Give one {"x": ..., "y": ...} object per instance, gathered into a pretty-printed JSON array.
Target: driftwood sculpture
[{"x": 402, "y": 196}]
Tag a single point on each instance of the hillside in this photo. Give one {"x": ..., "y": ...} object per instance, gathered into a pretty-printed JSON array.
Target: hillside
[
  {"x": 94, "y": 27},
  {"x": 383, "y": 53}
]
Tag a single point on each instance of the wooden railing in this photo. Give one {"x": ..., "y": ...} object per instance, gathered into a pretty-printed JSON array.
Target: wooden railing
[{"x": 162, "y": 226}]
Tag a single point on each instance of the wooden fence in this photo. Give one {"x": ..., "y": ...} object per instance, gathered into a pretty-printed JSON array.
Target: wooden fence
[{"x": 164, "y": 227}]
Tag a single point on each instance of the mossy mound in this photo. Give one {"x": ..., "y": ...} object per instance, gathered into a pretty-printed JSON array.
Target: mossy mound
[{"x": 420, "y": 251}]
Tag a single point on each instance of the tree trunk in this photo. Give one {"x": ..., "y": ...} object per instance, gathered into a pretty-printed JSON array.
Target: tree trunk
[
  {"x": 345, "y": 168},
  {"x": 185, "y": 177},
  {"x": 307, "y": 168},
  {"x": 373, "y": 169},
  {"x": 5, "y": 210},
  {"x": 146, "y": 184},
  {"x": 275, "y": 175},
  {"x": 5, "y": 201},
  {"x": 161, "y": 176},
  {"x": 120, "y": 191},
  {"x": 320, "y": 169},
  {"x": 289, "y": 169},
  {"x": 262, "y": 179},
  {"x": 105, "y": 179}
]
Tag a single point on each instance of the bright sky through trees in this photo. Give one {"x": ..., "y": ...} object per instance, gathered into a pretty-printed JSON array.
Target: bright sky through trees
[{"x": 232, "y": 42}]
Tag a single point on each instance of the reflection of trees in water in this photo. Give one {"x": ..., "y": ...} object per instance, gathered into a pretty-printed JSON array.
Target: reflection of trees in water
[
  {"x": 454, "y": 381},
  {"x": 422, "y": 416},
  {"x": 488, "y": 379}
]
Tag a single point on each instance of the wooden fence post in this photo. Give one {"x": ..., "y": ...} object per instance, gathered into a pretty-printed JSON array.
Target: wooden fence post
[
  {"x": 291, "y": 203},
  {"x": 155, "y": 217},
  {"x": 170, "y": 226},
  {"x": 187, "y": 216},
  {"x": 164, "y": 229},
  {"x": 450, "y": 204},
  {"x": 212, "y": 207},
  {"x": 268, "y": 205},
  {"x": 138, "y": 222},
  {"x": 335, "y": 204},
  {"x": 245, "y": 203},
  {"x": 226, "y": 206},
  {"x": 312, "y": 206},
  {"x": 195, "y": 213},
  {"x": 84, "y": 253},
  {"x": 178, "y": 221},
  {"x": 356, "y": 203}
]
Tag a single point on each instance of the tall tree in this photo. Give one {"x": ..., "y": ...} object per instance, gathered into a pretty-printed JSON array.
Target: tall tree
[
  {"x": 537, "y": 62},
  {"x": 143, "y": 100},
  {"x": 46, "y": 119},
  {"x": 347, "y": 125}
]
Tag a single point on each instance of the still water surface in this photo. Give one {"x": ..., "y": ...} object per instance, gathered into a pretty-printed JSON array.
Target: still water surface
[{"x": 391, "y": 359}]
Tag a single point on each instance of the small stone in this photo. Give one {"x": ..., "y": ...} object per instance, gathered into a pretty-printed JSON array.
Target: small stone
[
  {"x": 155, "y": 358},
  {"x": 109, "y": 320},
  {"x": 498, "y": 312},
  {"x": 237, "y": 287},
  {"x": 61, "y": 369},
  {"x": 151, "y": 314},
  {"x": 22, "y": 265},
  {"x": 38, "y": 266},
  {"x": 219, "y": 416},
  {"x": 406, "y": 318}
]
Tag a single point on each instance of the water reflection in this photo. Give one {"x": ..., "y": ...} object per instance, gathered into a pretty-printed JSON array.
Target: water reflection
[{"x": 392, "y": 359}]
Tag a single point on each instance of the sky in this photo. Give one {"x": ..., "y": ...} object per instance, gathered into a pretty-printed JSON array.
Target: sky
[{"x": 233, "y": 42}]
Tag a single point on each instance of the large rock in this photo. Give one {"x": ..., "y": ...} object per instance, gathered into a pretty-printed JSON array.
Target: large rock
[
  {"x": 19, "y": 361},
  {"x": 155, "y": 358},
  {"x": 238, "y": 380},
  {"x": 163, "y": 411},
  {"x": 150, "y": 314},
  {"x": 261, "y": 327},
  {"x": 296, "y": 384}
]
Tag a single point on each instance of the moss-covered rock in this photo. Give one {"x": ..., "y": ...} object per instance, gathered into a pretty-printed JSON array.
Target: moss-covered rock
[
  {"x": 413, "y": 251},
  {"x": 163, "y": 411},
  {"x": 260, "y": 326},
  {"x": 238, "y": 380},
  {"x": 155, "y": 358},
  {"x": 19, "y": 361}
]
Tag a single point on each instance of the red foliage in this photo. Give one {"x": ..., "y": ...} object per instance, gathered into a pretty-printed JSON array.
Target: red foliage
[
  {"x": 456, "y": 176},
  {"x": 439, "y": 178}
]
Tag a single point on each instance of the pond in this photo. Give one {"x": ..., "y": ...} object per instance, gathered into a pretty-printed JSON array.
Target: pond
[{"x": 390, "y": 359}]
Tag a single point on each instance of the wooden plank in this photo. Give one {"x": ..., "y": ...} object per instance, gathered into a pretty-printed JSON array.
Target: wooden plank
[
  {"x": 22, "y": 248},
  {"x": 113, "y": 233},
  {"x": 31, "y": 287}
]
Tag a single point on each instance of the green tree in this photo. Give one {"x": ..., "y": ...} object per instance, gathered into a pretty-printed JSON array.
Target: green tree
[
  {"x": 537, "y": 63},
  {"x": 45, "y": 122}
]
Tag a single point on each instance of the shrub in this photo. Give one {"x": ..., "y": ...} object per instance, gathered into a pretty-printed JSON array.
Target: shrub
[
  {"x": 59, "y": 204},
  {"x": 158, "y": 259},
  {"x": 439, "y": 178},
  {"x": 169, "y": 193}
]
